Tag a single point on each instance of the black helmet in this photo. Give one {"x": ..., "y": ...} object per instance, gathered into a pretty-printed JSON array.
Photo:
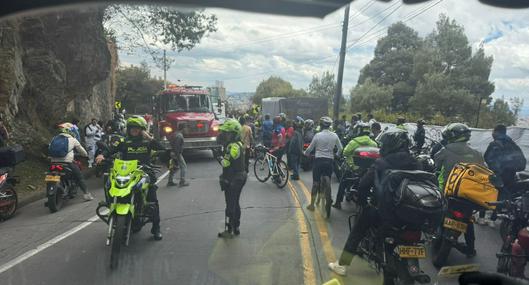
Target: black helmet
[
  {"x": 456, "y": 132},
  {"x": 325, "y": 122},
  {"x": 363, "y": 129},
  {"x": 393, "y": 140},
  {"x": 401, "y": 120},
  {"x": 421, "y": 122}
]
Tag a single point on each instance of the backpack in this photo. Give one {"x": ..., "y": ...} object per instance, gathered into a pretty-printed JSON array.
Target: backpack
[
  {"x": 471, "y": 181},
  {"x": 513, "y": 157},
  {"x": 58, "y": 146},
  {"x": 410, "y": 197}
]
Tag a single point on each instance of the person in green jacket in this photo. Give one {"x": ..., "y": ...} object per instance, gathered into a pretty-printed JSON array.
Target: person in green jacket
[{"x": 362, "y": 140}]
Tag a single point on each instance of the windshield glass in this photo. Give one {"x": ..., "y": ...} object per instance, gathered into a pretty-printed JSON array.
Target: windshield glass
[{"x": 185, "y": 103}]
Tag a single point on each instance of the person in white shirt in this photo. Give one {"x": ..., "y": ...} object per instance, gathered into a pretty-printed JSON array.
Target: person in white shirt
[{"x": 93, "y": 134}]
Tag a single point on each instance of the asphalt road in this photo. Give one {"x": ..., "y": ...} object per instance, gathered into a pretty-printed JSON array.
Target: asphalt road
[{"x": 280, "y": 242}]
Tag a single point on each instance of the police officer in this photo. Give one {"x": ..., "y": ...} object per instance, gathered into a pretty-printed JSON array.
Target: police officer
[
  {"x": 138, "y": 145},
  {"x": 233, "y": 175}
]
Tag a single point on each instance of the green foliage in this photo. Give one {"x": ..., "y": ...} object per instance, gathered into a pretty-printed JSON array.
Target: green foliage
[
  {"x": 370, "y": 96},
  {"x": 436, "y": 78},
  {"x": 323, "y": 87},
  {"x": 135, "y": 88},
  {"x": 150, "y": 27},
  {"x": 275, "y": 86}
]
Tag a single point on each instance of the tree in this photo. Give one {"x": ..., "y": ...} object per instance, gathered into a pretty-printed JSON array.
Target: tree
[
  {"x": 499, "y": 113},
  {"x": 135, "y": 88},
  {"x": 150, "y": 27},
  {"x": 516, "y": 104},
  {"x": 369, "y": 97},
  {"x": 392, "y": 64},
  {"x": 275, "y": 86},
  {"x": 323, "y": 87}
]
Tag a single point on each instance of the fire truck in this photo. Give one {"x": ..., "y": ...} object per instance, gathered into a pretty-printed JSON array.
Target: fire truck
[{"x": 188, "y": 108}]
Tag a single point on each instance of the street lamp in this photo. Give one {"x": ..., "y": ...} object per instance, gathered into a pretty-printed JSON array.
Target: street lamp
[{"x": 481, "y": 101}]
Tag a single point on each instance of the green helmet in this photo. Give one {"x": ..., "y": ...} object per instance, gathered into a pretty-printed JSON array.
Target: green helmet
[
  {"x": 66, "y": 128},
  {"x": 230, "y": 125},
  {"x": 456, "y": 132},
  {"x": 137, "y": 121}
]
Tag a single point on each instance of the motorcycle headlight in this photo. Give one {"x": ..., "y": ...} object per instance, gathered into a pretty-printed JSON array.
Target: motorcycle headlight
[{"x": 122, "y": 181}]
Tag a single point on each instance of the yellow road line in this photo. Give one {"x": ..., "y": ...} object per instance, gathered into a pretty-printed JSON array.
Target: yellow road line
[
  {"x": 323, "y": 230},
  {"x": 309, "y": 276}
]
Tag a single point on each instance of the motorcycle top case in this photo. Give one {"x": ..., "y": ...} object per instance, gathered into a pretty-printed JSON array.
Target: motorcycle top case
[
  {"x": 471, "y": 181},
  {"x": 364, "y": 157},
  {"x": 11, "y": 155},
  {"x": 413, "y": 196}
]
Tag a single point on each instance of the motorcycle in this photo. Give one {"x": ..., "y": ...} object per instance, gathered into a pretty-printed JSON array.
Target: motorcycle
[
  {"x": 127, "y": 207},
  {"x": 458, "y": 216},
  {"x": 514, "y": 232},
  {"x": 8, "y": 195},
  {"x": 60, "y": 185},
  {"x": 363, "y": 157},
  {"x": 395, "y": 251}
]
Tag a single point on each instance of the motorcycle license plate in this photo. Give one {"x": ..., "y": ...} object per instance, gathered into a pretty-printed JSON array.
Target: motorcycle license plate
[
  {"x": 412, "y": 251},
  {"x": 455, "y": 225},
  {"x": 52, "y": 178}
]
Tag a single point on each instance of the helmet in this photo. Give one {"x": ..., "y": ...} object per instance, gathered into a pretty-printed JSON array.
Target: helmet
[
  {"x": 393, "y": 140},
  {"x": 230, "y": 126},
  {"x": 309, "y": 124},
  {"x": 299, "y": 122},
  {"x": 401, "y": 120},
  {"x": 66, "y": 128},
  {"x": 456, "y": 132},
  {"x": 137, "y": 121},
  {"x": 325, "y": 122},
  {"x": 421, "y": 122},
  {"x": 363, "y": 129},
  {"x": 277, "y": 119}
]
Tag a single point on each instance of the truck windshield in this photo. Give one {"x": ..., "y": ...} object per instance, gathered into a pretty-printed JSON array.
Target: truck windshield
[{"x": 185, "y": 103}]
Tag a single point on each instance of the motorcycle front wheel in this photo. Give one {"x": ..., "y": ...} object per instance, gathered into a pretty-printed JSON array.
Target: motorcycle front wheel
[
  {"x": 117, "y": 239},
  {"x": 8, "y": 202}
]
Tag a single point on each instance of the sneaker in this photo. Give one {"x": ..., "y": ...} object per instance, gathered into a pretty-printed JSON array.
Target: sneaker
[
  {"x": 294, "y": 177},
  {"x": 171, "y": 183},
  {"x": 470, "y": 253},
  {"x": 183, "y": 183},
  {"x": 337, "y": 206},
  {"x": 236, "y": 231},
  {"x": 157, "y": 234},
  {"x": 88, "y": 196},
  {"x": 310, "y": 207},
  {"x": 337, "y": 268},
  {"x": 481, "y": 221}
]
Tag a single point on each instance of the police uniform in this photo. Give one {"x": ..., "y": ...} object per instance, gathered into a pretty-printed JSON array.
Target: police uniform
[{"x": 232, "y": 180}]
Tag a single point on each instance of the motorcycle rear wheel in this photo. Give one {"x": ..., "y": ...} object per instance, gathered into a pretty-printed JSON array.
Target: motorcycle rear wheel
[
  {"x": 117, "y": 239},
  {"x": 8, "y": 202},
  {"x": 56, "y": 201}
]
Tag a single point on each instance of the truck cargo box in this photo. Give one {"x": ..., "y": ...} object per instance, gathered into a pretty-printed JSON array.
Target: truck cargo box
[{"x": 306, "y": 107}]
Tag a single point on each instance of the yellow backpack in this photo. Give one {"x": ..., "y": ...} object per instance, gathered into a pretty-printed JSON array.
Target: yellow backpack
[{"x": 471, "y": 181}]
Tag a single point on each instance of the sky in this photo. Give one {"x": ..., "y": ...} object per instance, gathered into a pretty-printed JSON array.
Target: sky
[{"x": 247, "y": 48}]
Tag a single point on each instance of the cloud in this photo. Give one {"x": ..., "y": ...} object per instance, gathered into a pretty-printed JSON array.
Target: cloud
[{"x": 249, "y": 47}]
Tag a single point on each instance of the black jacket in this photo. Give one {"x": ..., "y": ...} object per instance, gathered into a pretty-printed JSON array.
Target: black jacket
[
  {"x": 398, "y": 160},
  {"x": 296, "y": 144}
]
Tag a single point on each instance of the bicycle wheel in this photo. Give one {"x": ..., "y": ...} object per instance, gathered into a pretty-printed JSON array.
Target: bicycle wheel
[
  {"x": 261, "y": 169},
  {"x": 282, "y": 174}
]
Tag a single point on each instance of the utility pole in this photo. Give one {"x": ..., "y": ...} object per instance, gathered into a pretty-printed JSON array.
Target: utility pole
[
  {"x": 164, "y": 71},
  {"x": 338, "y": 96}
]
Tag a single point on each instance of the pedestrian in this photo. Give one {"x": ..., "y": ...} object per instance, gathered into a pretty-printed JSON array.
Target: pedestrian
[
  {"x": 400, "y": 123},
  {"x": 268, "y": 127},
  {"x": 295, "y": 150},
  {"x": 233, "y": 175},
  {"x": 75, "y": 129},
  {"x": 504, "y": 157},
  {"x": 4, "y": 134},
  {"x": 247, "y": 140},
  {"x": 176, "y": 140},
  {"x": 278, "y": 139},
  {"x": 93, "y": 134},
  {"x": 419, "y": 136}
]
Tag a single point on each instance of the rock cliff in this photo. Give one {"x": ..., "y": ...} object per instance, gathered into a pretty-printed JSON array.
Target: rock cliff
[{"x": 54, "y": 67}]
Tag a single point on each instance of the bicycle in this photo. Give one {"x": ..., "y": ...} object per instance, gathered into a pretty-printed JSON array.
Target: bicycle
[
  {"x": 323, "y": 197},
  {"x": 266, "y": 166}
]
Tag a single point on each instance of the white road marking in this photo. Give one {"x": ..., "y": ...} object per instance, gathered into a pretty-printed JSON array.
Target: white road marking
[{"x": 10, "y": 264}]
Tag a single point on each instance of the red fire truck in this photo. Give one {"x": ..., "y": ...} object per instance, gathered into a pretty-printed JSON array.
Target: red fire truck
[{"x": 189, "y": 107}]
